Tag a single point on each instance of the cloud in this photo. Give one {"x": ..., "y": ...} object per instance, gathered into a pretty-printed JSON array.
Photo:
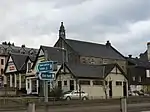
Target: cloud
[{"x": 36, "y": 22}]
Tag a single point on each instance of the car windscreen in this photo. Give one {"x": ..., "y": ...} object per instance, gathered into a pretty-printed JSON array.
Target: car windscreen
[{"x": 67, "y": 92}]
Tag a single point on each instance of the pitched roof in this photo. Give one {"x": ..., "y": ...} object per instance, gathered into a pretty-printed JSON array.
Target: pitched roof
[
  {"x": 5, "y": 49},
  {"x": 138, "y": 62},
  {"x": 91, "y": 71},
  {"x": 144, "y": 56},
  {"x": 19, "y": 61},
  {"x": 54, "y": 53},
  {"x": 32, "y": 58},
  {"x": 94, "y": 49}
]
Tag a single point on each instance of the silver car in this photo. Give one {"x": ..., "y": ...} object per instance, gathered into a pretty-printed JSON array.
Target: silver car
[{"x": 74, "y": 95}]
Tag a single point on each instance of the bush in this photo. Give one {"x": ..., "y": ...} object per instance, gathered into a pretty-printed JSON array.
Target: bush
[{"x": 56, "y": 93}]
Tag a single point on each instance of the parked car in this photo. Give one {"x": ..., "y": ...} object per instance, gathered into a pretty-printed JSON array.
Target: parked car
[
  {"x": 137, "y": 93},
  {"x": 74, "y": 95}
]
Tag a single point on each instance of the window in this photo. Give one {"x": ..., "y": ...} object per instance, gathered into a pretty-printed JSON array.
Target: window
[
  {"x": 83, "y": 60},
  {"x": 65, "y": 83},
  {"x": 29, "y": 67},
  {"x": 28, "y": 84},
  {"x": 2, "y": 71},
  {"x": 97, "y": 82},
  {"x": 105, "y": 61},
  {"x": 59, "y": 84},
  {"x": 2, "y": 61},
  {"x": 147, "y": 73},
  {"x": 106, "y": 83},
  {"x": 133, "y": 78},
  {"x": 84, "y": 82},
  {"x": 140, "y": 79},
  {"x": 55, "y": 66},
  {"x": 118, "y": 83}
]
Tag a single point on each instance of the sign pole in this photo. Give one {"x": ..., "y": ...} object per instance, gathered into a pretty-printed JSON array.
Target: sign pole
[
  {"x": 46, "y": 91},
  {"x": 46, "y": 84}
]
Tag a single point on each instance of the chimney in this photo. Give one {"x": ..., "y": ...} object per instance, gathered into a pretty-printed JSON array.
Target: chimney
[
  {"x": 23, "y": 46},
  {"x": 130, "y": 56},
  {"x": 148, "y": 51},
  {"x": 108, "y": 43}
]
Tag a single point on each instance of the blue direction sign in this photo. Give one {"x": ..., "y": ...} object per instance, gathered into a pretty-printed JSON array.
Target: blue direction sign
[
  {"x": 46, "y": 76},
  {"x": 45, "y": 66}
]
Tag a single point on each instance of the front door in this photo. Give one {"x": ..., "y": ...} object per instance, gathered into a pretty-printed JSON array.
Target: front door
[
  {"x": 110, "y": 89},
  {"x": 124, "y": 89},
  {"x": 60, "y": 84},
  {"x": 71, "y": 84}
]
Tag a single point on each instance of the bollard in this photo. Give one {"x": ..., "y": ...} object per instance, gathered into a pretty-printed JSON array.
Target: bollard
[
  {"x": 123, "y": 105},
  {"x": 31, "y": 107}
]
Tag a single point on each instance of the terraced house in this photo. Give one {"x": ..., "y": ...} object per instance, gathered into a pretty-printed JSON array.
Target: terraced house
[
  {"x": 5, "y": 49},
  {"x": 15, "y": 71},
  {"x": 45, "y": 53}
]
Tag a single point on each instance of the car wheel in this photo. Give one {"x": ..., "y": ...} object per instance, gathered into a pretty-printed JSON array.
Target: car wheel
[
  {"x": 84, "y": 98},
  {"x": 68, "y": 98}
]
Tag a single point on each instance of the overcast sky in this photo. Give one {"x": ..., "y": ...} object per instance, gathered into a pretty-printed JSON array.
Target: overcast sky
[{"x": 125, "y": 23}]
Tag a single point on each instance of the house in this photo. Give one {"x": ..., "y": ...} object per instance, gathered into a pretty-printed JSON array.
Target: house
[
  {"x": 73, "y": 53},
  {"x": 45, "y": 53},
  {"x": 88, "y": 52},
  {"x": 138, "y": 69},
  {"x": 138, "y": 74},
  {"x": 15, "y": 70},
  {"x": 98, "y": 81},
  {"x": 5, "y": 49}
]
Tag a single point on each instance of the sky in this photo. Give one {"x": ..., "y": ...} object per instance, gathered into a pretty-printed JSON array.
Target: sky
[{"x": 125, "y": 23}]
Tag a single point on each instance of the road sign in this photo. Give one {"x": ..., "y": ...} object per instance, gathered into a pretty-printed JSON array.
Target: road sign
[
  {"x": 45, "y": 66},
  {"x": 46, "y": 76}
]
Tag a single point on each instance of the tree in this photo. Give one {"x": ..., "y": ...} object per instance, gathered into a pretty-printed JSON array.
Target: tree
[
  {"x": 105, "y": 83},
  {"x": 105, "y": 88}
]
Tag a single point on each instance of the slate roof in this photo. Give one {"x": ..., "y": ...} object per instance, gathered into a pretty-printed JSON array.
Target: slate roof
[
  {"x": 138, "y": 62},
  {"x": 94, "y": 49},
  {"x": 144, "y": 56},
  {"x": 91, "y": 71},
  {"x": 54, "y": 53},
  {"x": 19, "y": 61},
  {"x": 6, "y": 49}
]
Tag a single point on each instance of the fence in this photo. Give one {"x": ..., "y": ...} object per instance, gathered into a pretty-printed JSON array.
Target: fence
[{"x": 21, "y": 103}]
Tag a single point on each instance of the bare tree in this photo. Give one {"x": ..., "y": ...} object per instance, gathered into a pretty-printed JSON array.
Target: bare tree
[
  {"x": 105, "y": 88},
  {"x": 105, "y": 84}
]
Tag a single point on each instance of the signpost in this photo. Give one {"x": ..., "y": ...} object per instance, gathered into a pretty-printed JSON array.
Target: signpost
[
  {"x": 46, "y": 73},
  {"x": 46, "y": 76}
]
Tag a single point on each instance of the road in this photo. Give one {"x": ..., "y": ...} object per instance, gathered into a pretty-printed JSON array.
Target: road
[{"x": 141, "y": 107}]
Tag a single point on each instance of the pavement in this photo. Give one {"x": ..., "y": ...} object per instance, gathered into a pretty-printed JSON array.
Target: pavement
[{"x": 140, "y": 107}]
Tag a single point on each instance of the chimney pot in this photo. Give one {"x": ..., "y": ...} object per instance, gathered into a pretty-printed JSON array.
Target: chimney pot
[
  {"x": 130, "y": 56},
  {"x": 148, "y": 43},
  {"x": 108, "y": 43}
]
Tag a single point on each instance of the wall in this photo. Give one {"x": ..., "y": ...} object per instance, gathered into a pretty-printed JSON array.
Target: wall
[
  {"x": 2, "y": 66},
  {"x": 117, "y": 89},
  {"x": 66, "y": 77},
  {"x": 94, "y": 91},
  {"x": 99, "y": 61},
  {"x": 97, "y": 91},
  {"x": 148, "y": 50}
]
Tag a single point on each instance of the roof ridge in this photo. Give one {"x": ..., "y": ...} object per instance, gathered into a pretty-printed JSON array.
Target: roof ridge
[
  {"x": 19, "y": 54},
  {"x": 52, "y": 47},
  {"x": 86, "y": 42}
]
